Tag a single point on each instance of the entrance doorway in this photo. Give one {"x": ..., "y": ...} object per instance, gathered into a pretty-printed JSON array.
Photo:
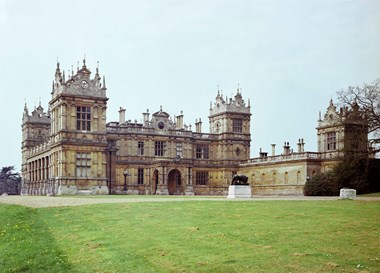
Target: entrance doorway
[{"x": 174, "y": 182}]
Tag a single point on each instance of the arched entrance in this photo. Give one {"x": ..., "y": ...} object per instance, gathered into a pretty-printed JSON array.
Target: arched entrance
[
  {"x": 154, "y": 182},
  {"x": 174, "y": 182}
]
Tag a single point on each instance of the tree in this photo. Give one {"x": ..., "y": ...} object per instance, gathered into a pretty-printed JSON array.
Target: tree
[
  {"x": 9, "y": 180},
  {"x": 367, "y": 97},
  {"x": 8, "y": 172},
  {"x": 357, "y": 170},
  {"x": 353, "y": 172}
]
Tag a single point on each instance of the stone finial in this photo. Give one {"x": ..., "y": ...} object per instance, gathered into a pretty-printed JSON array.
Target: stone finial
[
  {"x": 26, "y": 111},
  {"x": 97, "y": 77}
]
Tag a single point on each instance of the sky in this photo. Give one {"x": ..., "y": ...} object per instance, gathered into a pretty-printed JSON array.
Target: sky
[{"x": 288, "y": 57}]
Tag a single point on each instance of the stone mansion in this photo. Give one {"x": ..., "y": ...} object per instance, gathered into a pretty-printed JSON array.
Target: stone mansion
[{"x": 71, "y": 149}]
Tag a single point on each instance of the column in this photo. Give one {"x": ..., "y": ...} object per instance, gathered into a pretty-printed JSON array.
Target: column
[{"x": 189, "y": 187}]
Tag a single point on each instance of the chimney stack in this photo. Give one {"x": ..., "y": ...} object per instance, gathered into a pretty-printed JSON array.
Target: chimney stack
[
  {"x": 299, "y": 146},
  {"x": 121, "y": 115},
  {"x": 146, "y": 116},
  {"x": 273, "y": 149},
  {"x": 179, "y": 122},
  {"x": 198, "y": 126},
  {"x": 286, "y": 148}
]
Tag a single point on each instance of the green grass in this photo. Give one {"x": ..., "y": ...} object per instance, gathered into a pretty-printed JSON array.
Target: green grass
[
  {"x": 121, "y": 196},
  {"x": 193, "y": 236},
  {"x": 376, "y": 194}
]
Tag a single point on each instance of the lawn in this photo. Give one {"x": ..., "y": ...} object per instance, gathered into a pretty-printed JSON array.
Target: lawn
[
  {"x": 376, "y": 194},
  {"x": 193, "y": 236}
]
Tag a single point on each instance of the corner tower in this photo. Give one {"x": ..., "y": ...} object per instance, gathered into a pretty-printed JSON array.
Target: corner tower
[
  {"x": 230, "y": 120},
  {"x": 78, "y": 131},
  {"x": 341, "y": 132},
  {"x": 35, "y": 131}
]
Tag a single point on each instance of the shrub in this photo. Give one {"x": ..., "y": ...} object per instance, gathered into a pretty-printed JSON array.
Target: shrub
[
  {"x": 323, "y": 184},
  {"x": 352, "y": 172}
]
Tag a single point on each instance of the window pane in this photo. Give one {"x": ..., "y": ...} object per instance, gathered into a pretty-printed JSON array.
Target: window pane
[{"x": 83, "y": 118}]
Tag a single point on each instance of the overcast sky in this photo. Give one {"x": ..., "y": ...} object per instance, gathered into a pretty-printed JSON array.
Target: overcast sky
[{"x": 289, "y": 57}]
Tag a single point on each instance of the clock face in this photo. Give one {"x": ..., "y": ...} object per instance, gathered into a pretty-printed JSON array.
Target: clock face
[
  {"x": 161, "y": 125},
  {"x": 84, "y": 84}
]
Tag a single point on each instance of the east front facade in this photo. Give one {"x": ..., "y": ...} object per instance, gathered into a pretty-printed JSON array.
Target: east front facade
[{"x": 71, "y": 149}]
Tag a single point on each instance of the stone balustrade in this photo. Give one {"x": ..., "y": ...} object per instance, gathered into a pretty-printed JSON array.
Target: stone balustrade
[{"x": 288, "y": 157}]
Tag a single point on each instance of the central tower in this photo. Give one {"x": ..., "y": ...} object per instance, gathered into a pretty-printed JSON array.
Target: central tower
[{"x": 230, "y": 120}]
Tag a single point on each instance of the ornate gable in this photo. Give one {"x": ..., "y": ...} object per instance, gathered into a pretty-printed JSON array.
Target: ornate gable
[
  {"x": 331, "y": 117},
  {"x": 80, "y": 83}
]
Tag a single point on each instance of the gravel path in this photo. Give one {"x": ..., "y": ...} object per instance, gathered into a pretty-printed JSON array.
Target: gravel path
[{"x": 59, "y": 201}]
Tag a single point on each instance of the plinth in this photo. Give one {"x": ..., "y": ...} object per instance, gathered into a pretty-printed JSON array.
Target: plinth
[{"x": 239, "y": 191}]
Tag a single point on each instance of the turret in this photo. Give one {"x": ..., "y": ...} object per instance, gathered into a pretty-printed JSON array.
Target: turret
[
  {"x": 343, "y": 131},
  {"x": 230, "y": 119},
  {"x": 231, "y": 116}
]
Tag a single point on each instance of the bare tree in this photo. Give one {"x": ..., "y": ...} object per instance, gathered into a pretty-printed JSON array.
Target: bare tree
[{"x": 367, "y": 97}]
